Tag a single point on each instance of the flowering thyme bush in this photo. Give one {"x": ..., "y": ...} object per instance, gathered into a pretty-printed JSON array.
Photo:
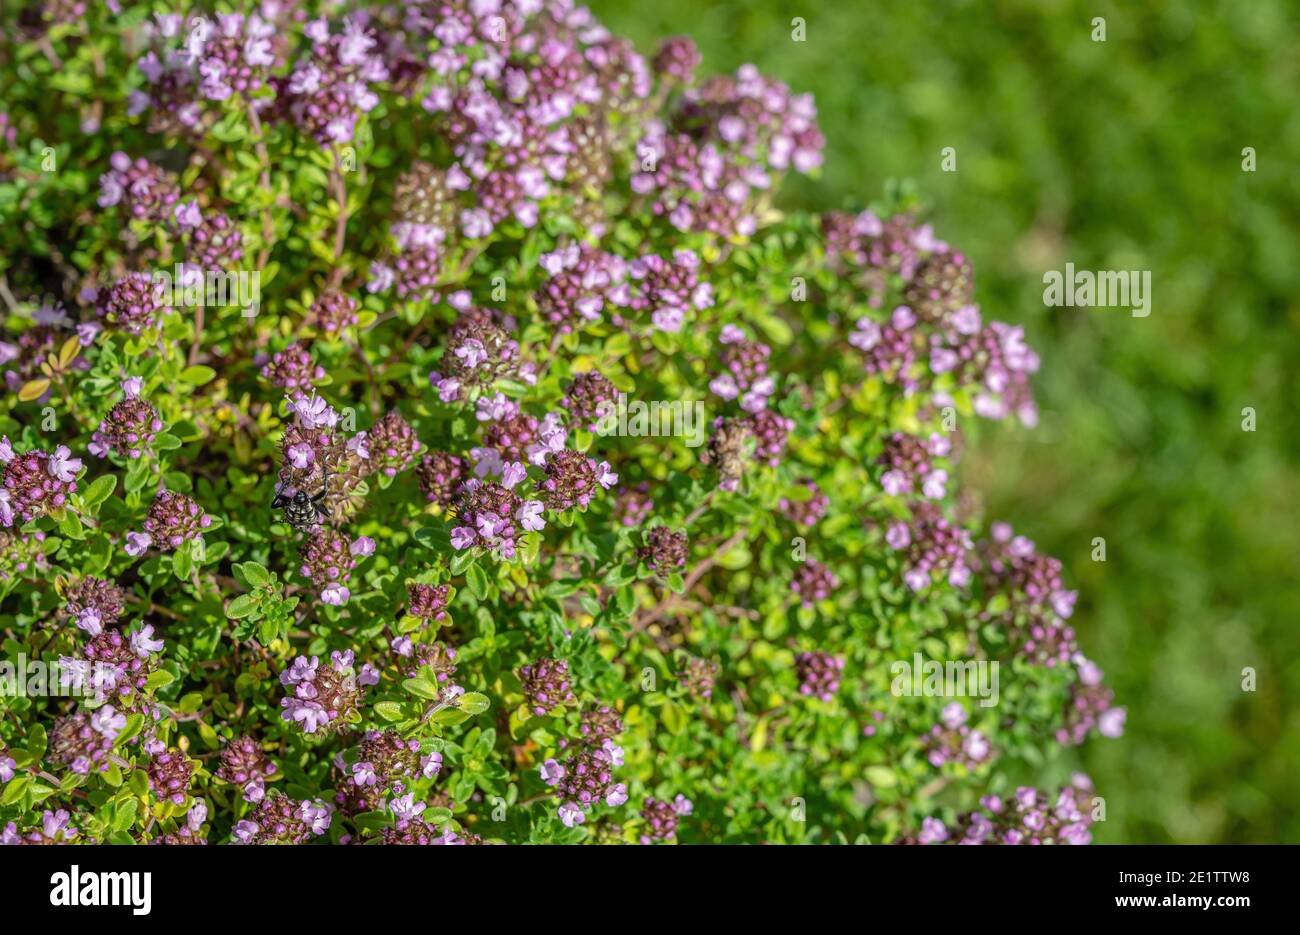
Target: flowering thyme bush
[{"x": 484, "y": 607}]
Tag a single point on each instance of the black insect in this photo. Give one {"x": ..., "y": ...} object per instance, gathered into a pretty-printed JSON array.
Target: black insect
[{"x": 302, "y": 511}]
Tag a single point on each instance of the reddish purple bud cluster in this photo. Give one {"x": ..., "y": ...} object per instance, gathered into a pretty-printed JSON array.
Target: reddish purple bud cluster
[
  {"x": 132, "y": 304},
  {"x": 660, "y": 819},
  {"x": 145, "y": 191},
  {"x": 808, "y": 511},
  {"x": 908, "y": 465},
  {"x": 393, "y": 444},
  {"x": 1011, "y": 565},
  {"x": 583, "y": 281},
  {"x": 170, "y": 773},
  {"x": 698, "y": 677},
  {"x": 599, "y": 723},
  {"x": 1091, "y": 706},
  {"x": 243, "y": 762},
  {"x": 386, "y": 762},
  {"x": 585, "y": 779},
  {"x": 175, "y": 519},
  {"x": 36, "y": 482},
  {"x": 770, "y": 431},
  {"x": 677, "y": 59},
  {"x": 93, "y": 604},
  {"x": 744, "y": 373},
  {"x": 486, "y": 513},
  {"x": 545, "y": 684},
  {"x": 707, "y": 167},
  {"x": 813, "y": 582},
  {"x": 572, "y": 479},
  {"x": 589, "y": 399},
  {"x": 665, "y": 550},
  {"x": 83, "y": 741},
  {"x": 511, "y": 436},
  {"x": 326, "y": 558},
  {"x": 954, "y": 741},
  {"x": 113, "y": 664},
  {"x": 427, "y": 601},
  {"x": 215, "y": 243},
  {"x": 819, "y": 674},
  {"x": 333, "y": 312},
  {"x": 667, "y": 289},
  {"x": 931, "y": 547},
  {"x": 128, "y": 429},
  {"x": 292, "y": 369},
  {"x": 440, "y": 474}
]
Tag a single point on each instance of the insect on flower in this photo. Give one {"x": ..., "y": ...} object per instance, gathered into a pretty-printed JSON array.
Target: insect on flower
[{"x": 301, "y": 510}]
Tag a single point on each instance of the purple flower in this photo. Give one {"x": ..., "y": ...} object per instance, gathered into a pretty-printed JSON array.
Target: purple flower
[
  {"x": 137, "y": 543},
  {"x": 571, "y": 814},
  {"x": 552, "y": 772},
  {"x": 142, "y": 642}
]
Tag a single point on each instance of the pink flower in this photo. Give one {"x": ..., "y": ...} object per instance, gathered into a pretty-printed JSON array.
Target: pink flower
[
  {"x": 529, "y": 515},
  {"x": 61, "y": 466},
  {"x": 571, "y": 815},
  {"x": 335, "y": 594},
  {"x": 142, "y": 642},
  {"x": 137, "y": 543},
  {"x": 552, "y": 772}
]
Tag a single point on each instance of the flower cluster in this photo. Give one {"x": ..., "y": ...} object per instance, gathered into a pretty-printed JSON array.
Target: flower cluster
[
  {"x": 813, "y": 582},
  {"x": 932, "y": 547},
  {"x": 665, "y": 550},
  {"x": 819, "y": 674},
  {"x": 584, "y": 779},
  {"x": 660, "y": 818},
  {"x": 128, "y": 429},
  {"x": 545, "y": 684},
  {"x": 907, "y": 465},
  {"x": 1027, "y": 817},
  {"x": 35, "y": 482},
  {"x": 170, "y": 773},
  {"x": 174, "y": 519},
  {"x": 322, "y": 697},
  {"x": 244, "y": 763},
  {"x": 955, "y": 741},
  {"x": 292, "y": 369},
  {"x": 83, "y": 740},
  {"x": 93, "y": 603},
  {"x": 279, "y": 819}
]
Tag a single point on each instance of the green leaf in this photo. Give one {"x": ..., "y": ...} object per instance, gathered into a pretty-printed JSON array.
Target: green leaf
[
  {"x": 477, "y": 581},
  {"x": 166, "y": 441},
  {"x": 14, "y": 790},
  {"x": 255, "y": 574},
  {"x": 98, "y": 492},
  {"x": 389, "y": 710},
  {"x": 473, "y": 703},
  {"x": 242, "y": 606},
  {"x": 134, "y": 722},
  {"x": 197, "y": 375},
  {"x": 124, "y": 818},
  {"x": 421, "y": 688},
  {"x": 159, "y": 679},
  {"x": 882, "y": 777}
]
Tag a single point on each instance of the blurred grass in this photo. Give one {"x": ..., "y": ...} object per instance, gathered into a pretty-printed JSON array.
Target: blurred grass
[{"x": 1123, "y": 154}]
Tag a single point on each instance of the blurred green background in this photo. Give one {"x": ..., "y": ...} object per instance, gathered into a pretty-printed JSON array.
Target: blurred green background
[{"x": 1123, "y": 154}]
